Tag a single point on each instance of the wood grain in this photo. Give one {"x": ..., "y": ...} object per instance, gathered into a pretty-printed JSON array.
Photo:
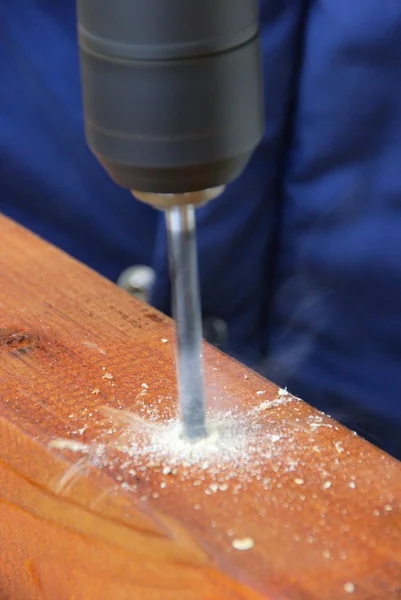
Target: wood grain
[{"x": 87, "y": 511}]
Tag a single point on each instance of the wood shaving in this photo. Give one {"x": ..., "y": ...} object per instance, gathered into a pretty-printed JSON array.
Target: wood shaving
[
  {"x": 108, "y": 376},
  {"x": 243, "y": 544},
  {"x": 69, "y": 445},
  {"x": 339, "y": 447}
]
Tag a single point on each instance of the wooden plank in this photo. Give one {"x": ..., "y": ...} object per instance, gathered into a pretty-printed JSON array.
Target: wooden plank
[{"x": 99, "y": 497}]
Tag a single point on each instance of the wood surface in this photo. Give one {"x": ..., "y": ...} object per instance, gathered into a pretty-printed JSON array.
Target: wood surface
[{"x": 303, "y": 510}]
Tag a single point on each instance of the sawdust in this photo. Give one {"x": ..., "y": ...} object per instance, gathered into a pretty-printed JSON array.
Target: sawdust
[
  {"x": 243, "y": 544},
  {"x": 349, "y": 587},
  {"x": 72, "y": 445},
  {"x": 152, "y": 450},
  {"x": 228, "y": 442},
  {"x": 238, "y": 443},
  {"x": 108, "y": 376}
]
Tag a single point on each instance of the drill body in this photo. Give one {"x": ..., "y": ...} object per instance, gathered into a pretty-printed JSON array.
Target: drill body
[{"x": 172, "y": 92}]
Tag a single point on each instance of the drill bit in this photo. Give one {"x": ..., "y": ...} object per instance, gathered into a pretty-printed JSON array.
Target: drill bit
[{"x": 181, "y": 230}]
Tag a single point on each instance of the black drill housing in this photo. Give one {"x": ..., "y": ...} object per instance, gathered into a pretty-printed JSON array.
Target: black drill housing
[{"x": 172, "y": 90}]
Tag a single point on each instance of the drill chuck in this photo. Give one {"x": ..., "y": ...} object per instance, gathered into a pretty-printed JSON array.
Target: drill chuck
[{"x": 172, "y": 91}]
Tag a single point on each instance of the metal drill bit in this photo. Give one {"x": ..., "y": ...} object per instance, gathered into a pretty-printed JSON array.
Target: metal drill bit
[{"x": 181, "y": 229}]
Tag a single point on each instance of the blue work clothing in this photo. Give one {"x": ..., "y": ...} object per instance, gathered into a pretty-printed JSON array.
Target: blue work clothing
[{"x": 301, "y": 256}]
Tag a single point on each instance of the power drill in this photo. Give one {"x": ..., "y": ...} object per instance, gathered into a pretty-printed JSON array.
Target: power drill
[{"x": 173, "y": 107}]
